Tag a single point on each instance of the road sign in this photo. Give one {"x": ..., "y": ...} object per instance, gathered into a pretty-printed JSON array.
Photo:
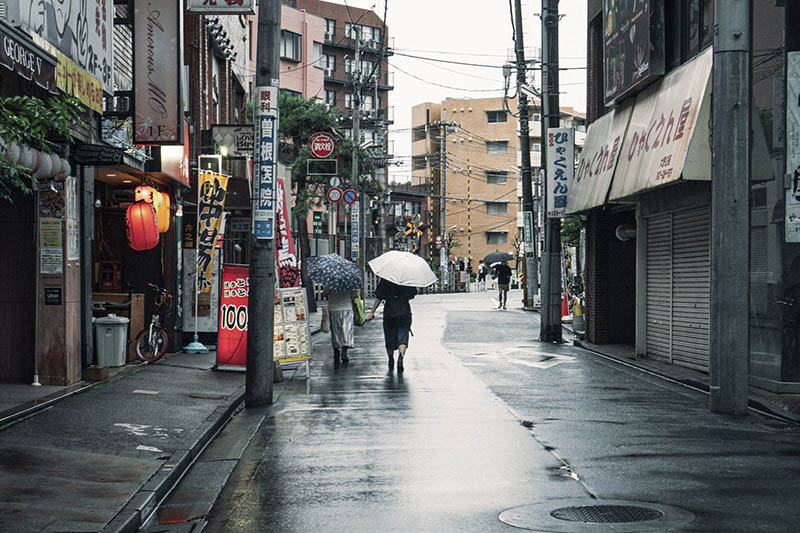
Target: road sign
[
  {"x": 322, "y": 145},
  {"x": 322, "y": 167},
  {"x": 335, "y": 181},
  {"x": 350, "y": 196},
  {"x": 334, "y": 194},
  {"x": 355, "y": 229}
]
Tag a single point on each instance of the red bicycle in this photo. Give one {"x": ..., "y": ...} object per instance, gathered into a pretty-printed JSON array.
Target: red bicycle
[{"x": 151, "y": 342}]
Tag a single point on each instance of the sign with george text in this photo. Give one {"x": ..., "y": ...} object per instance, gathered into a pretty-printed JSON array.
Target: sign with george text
[
  {"x": 265, "y": 162},
  {"x": 560, "y": 169},
  {"x": 158, "y": 118}
]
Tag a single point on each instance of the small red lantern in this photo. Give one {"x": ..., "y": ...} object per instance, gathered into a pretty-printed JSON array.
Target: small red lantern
[{"x": 142, "y": 226}]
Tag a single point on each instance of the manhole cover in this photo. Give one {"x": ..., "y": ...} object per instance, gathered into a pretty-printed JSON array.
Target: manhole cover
[{"x": 606, "y": 514}]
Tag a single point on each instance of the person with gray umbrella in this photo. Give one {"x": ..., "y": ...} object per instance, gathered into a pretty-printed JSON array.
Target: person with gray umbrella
[{"x": 342, "y": 281}]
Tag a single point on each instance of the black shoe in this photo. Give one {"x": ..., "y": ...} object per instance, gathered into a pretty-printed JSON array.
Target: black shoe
[
  {"x": 336, "y": 355},
  {"x": 345, "y": 359},
  {"x": 391, "y": 362},
  {"x": 400, "y": 363}
]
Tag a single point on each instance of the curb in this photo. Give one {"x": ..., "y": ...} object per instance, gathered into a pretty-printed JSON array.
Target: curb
[
  {"x": 761, "y": 405},
  {"x": 142, "y": 504}
]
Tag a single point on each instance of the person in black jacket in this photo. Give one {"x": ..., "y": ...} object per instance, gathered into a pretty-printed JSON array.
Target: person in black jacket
[
  {"x": 396, "y": 318},
  {"x": 503, "y": 273}
]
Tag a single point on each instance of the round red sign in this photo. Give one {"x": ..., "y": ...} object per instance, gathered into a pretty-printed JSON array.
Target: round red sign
[{"x": 322, "y": 145}]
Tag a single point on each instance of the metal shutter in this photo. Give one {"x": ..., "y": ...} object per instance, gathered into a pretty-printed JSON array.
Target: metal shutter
[
  {"x": 659, "y": 287},
  {"x": 691, "y": 259}
]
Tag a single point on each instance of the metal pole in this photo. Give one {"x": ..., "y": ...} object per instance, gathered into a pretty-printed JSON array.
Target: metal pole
[
  {"x": 528, "y": 218},
  {"x": 443, "y": 202},
  {"x": 551, "y": 115},
  {"x": 356, "y": 144},
  {"x": 730, "y": 215},
  {"x": 261, "y": 303}
]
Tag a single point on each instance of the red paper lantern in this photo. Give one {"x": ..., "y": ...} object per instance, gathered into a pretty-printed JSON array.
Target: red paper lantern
[{"x": 142, "y": 226}]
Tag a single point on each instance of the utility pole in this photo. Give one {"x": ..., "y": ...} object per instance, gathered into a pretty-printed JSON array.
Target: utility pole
[
  {"x": 730, "y": 214},
  {"x": 261, "y": 299},
  {"x": 443, "y": 203},
  {"x": 356, "y": 145},
  {"x": 551, "y": 115},
  {"x": 528, "y": 219}
]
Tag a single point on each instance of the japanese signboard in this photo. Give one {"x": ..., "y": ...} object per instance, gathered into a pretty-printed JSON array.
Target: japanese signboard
[
  {"x": 634, "y": 45},
  {"x": 322, "y": 145},
  {"x": 291, "y": 332},
  {"x": 792, "y": 216},
  {"x": 355, "y": 232},
  {"x": 236, "y": 140},
  {"x": 81, "y": 31},
  {"x": 158, "y": 118},
  {"x": 560, "y": 145},
  {"x": 662, "y": 130},
  {"x": 232, "y": 341},
  {"x": 793, "y": 118},
  {"x": 288, "y": 270},
  {"x": 211, "y": 202},
  {"x": 220, "y": 7},
  {"x": 265, "y": 162},
  {"x": 51, "y": 255}
]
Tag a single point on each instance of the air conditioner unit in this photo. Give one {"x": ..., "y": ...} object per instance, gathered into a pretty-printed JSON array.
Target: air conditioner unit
[
  {"x": 328, "y": 36},
  {"x": 329, "y": 72}
]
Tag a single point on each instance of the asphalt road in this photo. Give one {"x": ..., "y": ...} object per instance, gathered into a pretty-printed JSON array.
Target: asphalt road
[{"x": 486, "y": 419}]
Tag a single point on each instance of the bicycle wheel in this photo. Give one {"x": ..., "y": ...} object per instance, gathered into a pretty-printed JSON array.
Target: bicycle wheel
[{"x": 148, "y": 351}]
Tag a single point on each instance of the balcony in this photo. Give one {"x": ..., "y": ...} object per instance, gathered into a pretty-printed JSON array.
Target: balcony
[{"x": 368, "y": 46}]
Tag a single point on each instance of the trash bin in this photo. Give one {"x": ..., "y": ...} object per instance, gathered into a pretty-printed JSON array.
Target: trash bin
[{"x": 111, "y": 334}]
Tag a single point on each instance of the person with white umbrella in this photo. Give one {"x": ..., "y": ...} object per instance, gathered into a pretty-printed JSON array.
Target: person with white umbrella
[{"x": 400, "y": 273}]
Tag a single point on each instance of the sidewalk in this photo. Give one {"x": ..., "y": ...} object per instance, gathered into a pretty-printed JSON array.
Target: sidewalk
[{"x": 102, "y": 455}]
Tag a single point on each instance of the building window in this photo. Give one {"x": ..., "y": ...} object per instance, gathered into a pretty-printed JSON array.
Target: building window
[
  {"x": 290, "y": 46},
  {"x": 496, "y": 116},
  {"x": 369, "y": 103},
  {"x": 289, "y": 92},
  {"x": 536, "y": 117},
  {"x": 496, "y": 208},
  {"x": 330, "y": 28},
  {"x": 496, "y": 147},
  {"x": 348, "y": 101},
  {"x": 348, "y": 65},
  {"x": 330, "y": 98},
  {"x": 376, "y": 34},
  {"x": 319, "y": 57},
  {"x": 496, "y": 237},
  {"x": 536, "y": 147},
  {"x": 366, "y": 67},
  {"x": 330, "y": 64},
  {"x": 496, "y": 177}
]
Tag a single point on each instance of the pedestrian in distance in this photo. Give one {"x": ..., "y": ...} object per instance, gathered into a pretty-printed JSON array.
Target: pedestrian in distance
[
  {"x": 340, "y": 315},
  {"x": 396, "y": 318},
  {"x": 503, "y": 273},
  {"x": 482, "y": 271}
]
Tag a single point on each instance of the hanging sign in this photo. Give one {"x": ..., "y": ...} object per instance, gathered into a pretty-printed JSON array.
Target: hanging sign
[
  {"x": 220, "y": 7},
  {"x": 211, "y": 202},
  {"x": 232, "y": 341},
  {"x": 236, "y": 139},
  {"x": 19, "y": 53},
  {"x": 265, "y": 162},
  {"x": 793, "y": 119},
  {"x": 158, "y": 118},
  {"x": 288, "y": 271},
  {"x": 560, "y": 169},
  {"x": 322, "y": 145},
  {"x": 355, "y": 241}
]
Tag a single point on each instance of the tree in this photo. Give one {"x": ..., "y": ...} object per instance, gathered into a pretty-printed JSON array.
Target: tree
[
  {"x": 30, "y": 120},
  {"x": 571, "y": 231},
  {"x": 299, "y": 119}
]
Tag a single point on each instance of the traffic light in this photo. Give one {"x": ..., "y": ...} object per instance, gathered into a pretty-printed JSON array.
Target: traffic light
[{"x": 376, "y": 217}]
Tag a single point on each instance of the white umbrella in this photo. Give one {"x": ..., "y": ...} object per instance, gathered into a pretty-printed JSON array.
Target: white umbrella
[{"x": 403, "y": 268}]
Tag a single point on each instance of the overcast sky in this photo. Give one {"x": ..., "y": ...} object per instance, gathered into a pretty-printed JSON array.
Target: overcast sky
[{"x": 470, "y": 31}]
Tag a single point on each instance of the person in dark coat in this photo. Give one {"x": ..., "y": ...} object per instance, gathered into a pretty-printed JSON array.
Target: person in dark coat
[
  {"x": 503, "y": 273},
  {"x": 396, "y": 318}
]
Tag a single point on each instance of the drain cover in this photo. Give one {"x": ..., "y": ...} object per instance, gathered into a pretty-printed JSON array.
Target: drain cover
[
  {"x": 606, "y": 514},
  {"x": 596, "y": 516}
]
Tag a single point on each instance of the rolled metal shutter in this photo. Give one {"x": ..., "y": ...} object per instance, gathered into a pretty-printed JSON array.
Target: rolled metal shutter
[
  {"x": 691, "y": 287},
  {"x": 659, "y": 287}
]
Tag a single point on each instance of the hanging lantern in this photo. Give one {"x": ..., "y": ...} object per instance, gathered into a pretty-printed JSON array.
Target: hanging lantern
[
  {"x": 44, "y": 166},
  {"x": 144, "y": 193},
  {"x": 142, "y": 227},
  {"x": 161, "y": 205}
]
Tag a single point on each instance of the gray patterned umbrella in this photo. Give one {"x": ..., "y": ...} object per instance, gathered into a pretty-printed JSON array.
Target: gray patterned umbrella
[{"x": 335, "y": 272}]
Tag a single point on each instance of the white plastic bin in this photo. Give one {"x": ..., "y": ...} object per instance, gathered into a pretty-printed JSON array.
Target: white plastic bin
[{"x": 111, "y": 334}]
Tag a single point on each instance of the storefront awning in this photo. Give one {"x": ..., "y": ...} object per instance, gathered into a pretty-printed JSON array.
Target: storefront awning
[
  {"x": 598, "y": 160},
  {"x": 667, "y": 138}
]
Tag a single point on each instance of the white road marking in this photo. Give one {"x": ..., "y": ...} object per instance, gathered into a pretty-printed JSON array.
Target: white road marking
[
  {"x": 150, "y": 392},
  {"x": 148, "y": 449},
  {"x": 136, "y": 429}
]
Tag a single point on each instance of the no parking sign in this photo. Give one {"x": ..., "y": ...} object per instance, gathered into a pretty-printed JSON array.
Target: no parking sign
[{"x": 350, "y": 196}]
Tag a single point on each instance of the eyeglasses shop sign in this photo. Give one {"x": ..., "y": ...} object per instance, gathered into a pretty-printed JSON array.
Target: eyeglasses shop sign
[{"x": 220, "y": 7}]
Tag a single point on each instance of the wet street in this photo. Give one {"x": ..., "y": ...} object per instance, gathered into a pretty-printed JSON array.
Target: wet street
[{"x": 486, "y": 428}]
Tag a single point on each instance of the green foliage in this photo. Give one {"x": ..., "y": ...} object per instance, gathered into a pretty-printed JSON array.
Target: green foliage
[
  {"x": 30, "y": 120},
  {"x": 299, "y": 119},
  {"x": 571, "y": 231}
]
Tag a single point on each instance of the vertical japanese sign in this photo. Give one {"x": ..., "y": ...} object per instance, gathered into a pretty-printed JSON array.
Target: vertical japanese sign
[
  {"x": 158, "y": 118},
  {"x": 220, "y": 7},
  {"x": 265, "y": 162},
  {"x": 288, "y": 273},
  {"x": 560, "y": 169},
  {"x": 211, "y": 201},
  {"x": 232, "y": 341},
  {"x": 355, "y": 232}
]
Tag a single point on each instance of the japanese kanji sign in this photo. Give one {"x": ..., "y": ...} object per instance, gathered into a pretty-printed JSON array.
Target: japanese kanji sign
[
  {"x": 220, "y": 7},
  {"x": 265, "y": 162},
  {"x": 560, "y": 169},
  {"x": 211, "y": 202}
]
